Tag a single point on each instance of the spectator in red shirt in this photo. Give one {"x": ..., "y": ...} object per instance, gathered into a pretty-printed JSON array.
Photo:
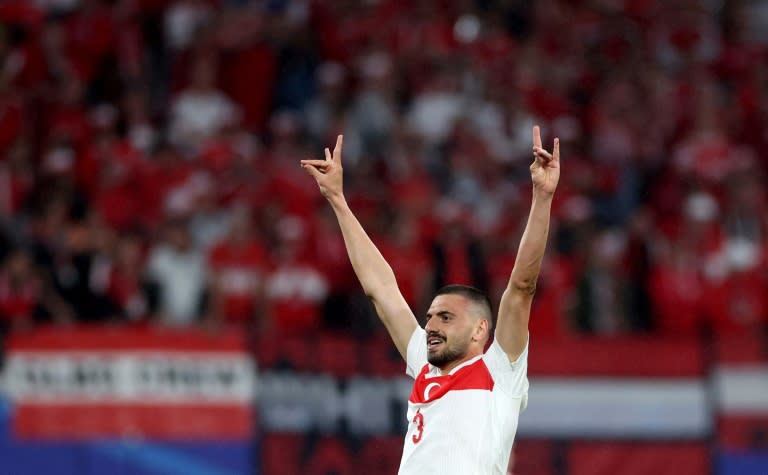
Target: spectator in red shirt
[
  {"x": 248, "y": 58},
  {"x": 737, "y": 302},
  {"x": 283, "y": 176},
  {"x": 340, "y": 309},
  {"x": 68, "y": 118},
  {"x": 677, "y": 292},
  {"x": 165, "y": 171},
  {"x": 11, "y": 116},
  {"x": 115, "y": 169},
  {"x": 26, "y": 296},
  {"x": 239, "y": 264},
  {"x": 296, "y": 287},
  {"x": 91, "y": 39},
  {"x": 126, "y": 286},
  {"x": 17, "y": 178},
  {"x": 457, "y": 254},
  {"x": 404, "y": 250}
]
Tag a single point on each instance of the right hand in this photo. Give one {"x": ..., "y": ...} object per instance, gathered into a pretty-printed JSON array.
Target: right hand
[
  {"x": 328, "y": 173},
  {"x": 545, "y": 169}
]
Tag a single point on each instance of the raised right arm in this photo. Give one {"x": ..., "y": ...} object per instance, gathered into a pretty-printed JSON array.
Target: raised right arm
[{"x": 372, "y": 270}]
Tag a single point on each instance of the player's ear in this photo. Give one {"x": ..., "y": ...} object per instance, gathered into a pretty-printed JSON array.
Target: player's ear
[{"x": 481, "y": 331}]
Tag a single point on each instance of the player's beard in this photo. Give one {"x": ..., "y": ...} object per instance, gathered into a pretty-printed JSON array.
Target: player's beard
[{"x": 451, "y": 352}]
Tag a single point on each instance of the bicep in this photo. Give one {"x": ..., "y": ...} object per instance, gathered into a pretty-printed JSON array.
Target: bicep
[
  {"x": 397, "y": 317},
  {"x": 512, "y": 322}
]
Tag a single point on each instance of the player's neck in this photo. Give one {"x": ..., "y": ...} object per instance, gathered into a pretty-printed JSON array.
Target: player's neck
[{"x": 448, "y": 367}]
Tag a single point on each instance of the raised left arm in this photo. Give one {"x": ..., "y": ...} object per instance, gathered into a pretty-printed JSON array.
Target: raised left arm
[{"x": 515, "y": 305}]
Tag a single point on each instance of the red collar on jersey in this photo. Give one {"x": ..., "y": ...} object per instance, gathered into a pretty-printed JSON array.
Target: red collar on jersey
[{"x": 472, "y": 376}]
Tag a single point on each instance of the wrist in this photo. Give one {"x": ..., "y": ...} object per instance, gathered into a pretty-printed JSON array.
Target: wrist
[
  {"x": 337, "y": 200},
  {"x": 543, "y": 196}
]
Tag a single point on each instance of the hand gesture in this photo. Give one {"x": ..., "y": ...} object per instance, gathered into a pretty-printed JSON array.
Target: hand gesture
[
  {"x": 545, "y": 169},
  {"x": 328, "y": 173}
]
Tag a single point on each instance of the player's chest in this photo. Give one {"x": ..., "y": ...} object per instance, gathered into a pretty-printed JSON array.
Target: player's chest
[{"x": 465, "y": 412}]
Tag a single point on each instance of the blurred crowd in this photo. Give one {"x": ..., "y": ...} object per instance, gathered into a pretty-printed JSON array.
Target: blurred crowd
[{"x": 149, "y": 159}]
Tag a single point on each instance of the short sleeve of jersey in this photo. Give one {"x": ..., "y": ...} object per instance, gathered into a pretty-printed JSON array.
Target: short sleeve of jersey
[
  {"x": 512, "y": 376},
  {"x": 416, "y": 354}
]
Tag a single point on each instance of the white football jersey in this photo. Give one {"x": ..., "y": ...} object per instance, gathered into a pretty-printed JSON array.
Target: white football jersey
[{"x": 462, "y": 423}]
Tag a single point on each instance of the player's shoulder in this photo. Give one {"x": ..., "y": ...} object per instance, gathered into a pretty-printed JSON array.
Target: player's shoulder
[{"x": 499, "y": 360}]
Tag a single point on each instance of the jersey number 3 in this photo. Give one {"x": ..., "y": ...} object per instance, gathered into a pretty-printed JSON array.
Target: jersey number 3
[{"x": 418, "y": 419}]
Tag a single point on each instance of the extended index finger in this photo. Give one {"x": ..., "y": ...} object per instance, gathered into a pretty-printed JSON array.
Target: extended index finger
[
  {"x": 537, "y": 136},
  {"x": 337, "y": 148}
]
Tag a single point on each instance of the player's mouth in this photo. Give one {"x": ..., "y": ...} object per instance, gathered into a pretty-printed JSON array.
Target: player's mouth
[{"x": 434, "y": 341}]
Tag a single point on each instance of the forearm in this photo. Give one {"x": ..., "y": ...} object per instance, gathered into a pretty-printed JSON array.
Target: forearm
[
  {"x": 372, "y": 270},
  {"x": 532, "y": 246}
]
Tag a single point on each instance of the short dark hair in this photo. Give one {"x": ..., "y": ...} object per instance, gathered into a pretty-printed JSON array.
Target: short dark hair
[{"x": 472, "y": 294}]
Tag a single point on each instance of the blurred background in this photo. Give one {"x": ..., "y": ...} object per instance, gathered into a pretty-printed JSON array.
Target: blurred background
[{"x": 175, "y": 296}]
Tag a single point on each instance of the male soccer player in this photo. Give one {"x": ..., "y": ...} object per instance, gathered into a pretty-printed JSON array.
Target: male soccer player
[{"x": 463, "y": 410}]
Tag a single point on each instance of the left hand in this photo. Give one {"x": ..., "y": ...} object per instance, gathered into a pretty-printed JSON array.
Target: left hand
[{"x": 545, "y": 169}]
